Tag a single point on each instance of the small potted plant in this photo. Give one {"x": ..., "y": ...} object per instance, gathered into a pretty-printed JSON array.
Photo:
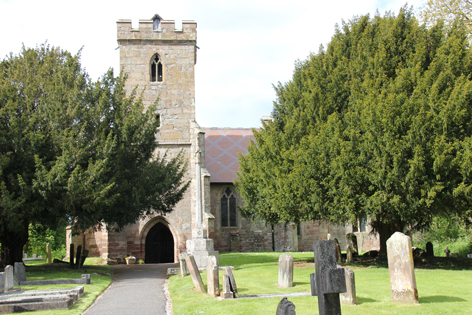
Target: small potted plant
[{"x": 130, "y": 260}]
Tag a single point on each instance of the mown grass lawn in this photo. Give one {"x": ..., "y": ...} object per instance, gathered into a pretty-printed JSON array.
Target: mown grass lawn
[
  {"x": 100, "y": 280},
  {"x": 440, "y": 291}
]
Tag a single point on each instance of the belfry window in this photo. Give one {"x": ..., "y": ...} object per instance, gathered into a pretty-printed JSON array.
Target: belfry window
[
  {"x": 156, "y": 69},
  {"x": 228, "y": 208}
]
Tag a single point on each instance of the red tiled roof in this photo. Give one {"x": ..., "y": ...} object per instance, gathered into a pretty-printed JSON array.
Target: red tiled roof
[{"x": 221, "y": 152}]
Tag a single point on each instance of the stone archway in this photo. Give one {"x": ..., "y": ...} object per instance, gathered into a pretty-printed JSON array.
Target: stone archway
[{"x": 159, "y": 245}]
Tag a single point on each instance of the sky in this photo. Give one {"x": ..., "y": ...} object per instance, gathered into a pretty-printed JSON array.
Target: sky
[{"x": 246, "y": 47}]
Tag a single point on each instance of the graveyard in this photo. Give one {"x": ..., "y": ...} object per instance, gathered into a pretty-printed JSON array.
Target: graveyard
[{"x": 442, "y": 283}]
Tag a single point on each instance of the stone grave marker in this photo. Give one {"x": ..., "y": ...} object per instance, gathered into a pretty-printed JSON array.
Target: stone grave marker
[
  {"x": 285, "y": 271},
  {"x": 34, "y": 256},
  {"x": 429, "y": 249},
  {"x": 349, "y": 254},
  {"x": 196, "y": 277},
  {"x": 227, "y": 293},
  {"x": 77, "y": 257},
  {"x": 285, "y": 307},
  {"x": 71, "y": 255},
  {"x": 25, "y": 255},
  {"x": 349, "y": 297},
  {"x": 447, "y": 251},
  {"x": 232, "y": 282},
  {"x": 401, "y": 268},
  {"x": 338, "y": 250},
  {"x": 328, "y": 280},
  {"x": 2, "y": 281},
  {"x": 183, "y": 264},
  {"x": 48, "y": 253},
  {"x": 213, "y": 281},
  {"x": 8, "y": 278},
  {"x": 20, "y": 272},
  {"x": 351, "y": 240}
]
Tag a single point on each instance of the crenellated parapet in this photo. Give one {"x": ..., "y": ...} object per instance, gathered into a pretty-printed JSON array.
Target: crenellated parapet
[{"x": 166, "y": 31}]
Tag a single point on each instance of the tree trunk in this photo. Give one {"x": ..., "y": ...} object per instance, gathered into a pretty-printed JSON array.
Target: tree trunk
[
  {"x": 12, "y": 247},
  {"x": 386, "y": 230}
]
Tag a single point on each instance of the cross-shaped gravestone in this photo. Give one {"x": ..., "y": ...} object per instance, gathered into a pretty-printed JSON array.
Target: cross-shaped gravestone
[{"x": 328, "y": 280}]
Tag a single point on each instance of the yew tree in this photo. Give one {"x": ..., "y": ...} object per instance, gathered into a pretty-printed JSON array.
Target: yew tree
[
  {"x": 376, "y": 125},
  {"x": 72, "y": 149}
]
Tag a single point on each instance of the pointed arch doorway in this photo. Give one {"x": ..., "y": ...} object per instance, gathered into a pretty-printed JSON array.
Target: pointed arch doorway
[{"x": 159, "y": 245}]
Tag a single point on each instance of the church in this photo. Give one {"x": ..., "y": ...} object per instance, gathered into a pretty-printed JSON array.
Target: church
[{"x": 162, "y": 59}]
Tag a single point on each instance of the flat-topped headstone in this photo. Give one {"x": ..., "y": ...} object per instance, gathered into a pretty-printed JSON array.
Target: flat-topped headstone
[
  {"x": 213, "y": 281},
  {"x": 337, "y": 248},
  {"x": 194, "y": 273},
  {"x": 232, "y": 282},
  {"x": 429, "y": 249},
  {"x": 8, "y": 278},
  {"x": 351, "y": 240},
  {"x": 285, "y": 271},
  {"x": 401, "y": 268},
  {"x": 183, "y": 264},
  {"x": 20, "y": 272},
  {"x": 349, "y": 297},
  {"x": 328, "y": 280},
  {"x": 285, "y": 307},
  {"x": 227, "y": 293}
]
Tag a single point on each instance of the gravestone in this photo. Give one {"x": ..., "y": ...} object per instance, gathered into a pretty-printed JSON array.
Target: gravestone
[
  {"x": 401, "y": 268},
  {"x": 193, "y": 269},
  {"x": 20, "y": 273},
  {"x": 338, "y": 250},
  {"x": 183, "y": 264},
  {"x": 8, "y": 276},
  {"x": 78, "y": 255},
  {"x": 429, "y": 249},
  {"x": 34, "y": 256},
  {"x": 71, "y": 255},
  {"x": 213, "y": 281},
  {"x": 447, "y": 251},
  {"x": 351, "y": 240},
  {"x": 25, "y": 255},
  {"x": 227, "y": 293},
  {"x": 2, "y": 281},
  {"x": 285, "y": 271},
  {"x": 349, "y": 297},
  {"x": 328, "y": 280},
  {"x": 48, "y": 253},
  {"x": 285, "y": 307},
  {"x": 232, "y": 282},
  {"x": 349, "y": 254}
]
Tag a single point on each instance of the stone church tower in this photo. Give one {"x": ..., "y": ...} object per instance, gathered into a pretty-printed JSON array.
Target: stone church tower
[{"x": 160, "y": 59}]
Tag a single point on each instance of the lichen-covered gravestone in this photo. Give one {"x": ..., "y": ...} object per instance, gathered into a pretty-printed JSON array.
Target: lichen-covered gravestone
[
  {"x": 285, "y": 271},
  {"x": 351, "y": 240},
  {"x": 285, "y": 307},
  {"x": 328, "y": 280},
  {"x": 401, "y": 268},
  {"x": 349, "y": 297},
  {"x": 196, "y": 277},
  {"x": 213, "y": 282}
]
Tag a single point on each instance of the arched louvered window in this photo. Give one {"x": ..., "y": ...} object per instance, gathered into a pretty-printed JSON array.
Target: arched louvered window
[
  {"x": 228, "y": 208},
  {"x": 156, "y": 69}
]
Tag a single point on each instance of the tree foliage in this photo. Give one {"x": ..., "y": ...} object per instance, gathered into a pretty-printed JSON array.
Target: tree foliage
[
  {"x": 75, "y": 149},
  {"x": 377, "y": 125},
  {"x": 449, "y": 11}
]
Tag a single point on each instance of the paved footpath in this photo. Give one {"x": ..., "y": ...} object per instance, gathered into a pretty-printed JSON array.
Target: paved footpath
[{"x": 136, "y": 289}]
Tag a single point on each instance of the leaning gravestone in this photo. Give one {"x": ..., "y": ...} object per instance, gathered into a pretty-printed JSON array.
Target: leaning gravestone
[
  {"x": 8, "y": 278},
  {"x": 285, "y": 271},
  {"x": 351, "y": 240},
  {"x": 213, "y": 281},
  {"x": 196, "y": 277},
  {"x": 232, "y": 282},
  {"x": 337, "y": 248},
  {"x": 401, "y": 268},
  {"x": 71, "y": 255},
  {"x": 285, "y": 307},
  {"x": 328, "y": 280},
  {"x": 349, "y": 297},
  {"x": 183, "y": 264},
  {"x": 429, "y": 249},
  {"x": 227, "y": 293}
]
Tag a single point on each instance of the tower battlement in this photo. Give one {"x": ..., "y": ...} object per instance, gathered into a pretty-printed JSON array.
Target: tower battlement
[{"x": 166, "y": 32}]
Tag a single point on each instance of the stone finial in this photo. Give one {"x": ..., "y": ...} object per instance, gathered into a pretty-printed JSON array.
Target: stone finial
[
  {"x": 285, "y": 271},
  {"x": 401, "y": 268}
]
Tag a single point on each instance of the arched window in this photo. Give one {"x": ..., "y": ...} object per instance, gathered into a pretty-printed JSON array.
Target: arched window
[
  {"x": 228, "y": 208},
  {"x": 156, "y": 69}
]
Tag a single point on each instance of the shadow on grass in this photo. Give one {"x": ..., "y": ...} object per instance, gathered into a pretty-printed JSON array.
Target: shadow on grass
[
  {"x": 300, "y": 283},
  {"x": 362, "y": 300},
  {"x": 440, "y": 299}
]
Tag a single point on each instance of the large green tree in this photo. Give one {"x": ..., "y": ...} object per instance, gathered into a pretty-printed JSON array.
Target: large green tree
[
  {"x": 450, "y": 11},
  {"x": 377, "y": 125},
  {"x": 75, "y": 149}
]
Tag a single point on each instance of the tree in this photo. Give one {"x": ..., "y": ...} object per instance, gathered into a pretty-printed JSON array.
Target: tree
[
  {"x": 377, "y": 125},
  {"x": 450, "y": 11},
  {"x": 75, "y": 149}
]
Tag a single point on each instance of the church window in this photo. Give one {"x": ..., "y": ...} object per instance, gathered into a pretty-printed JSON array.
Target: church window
[
  {"x": 228, "y": 208},
  {"x": 156, "y": 69}
]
